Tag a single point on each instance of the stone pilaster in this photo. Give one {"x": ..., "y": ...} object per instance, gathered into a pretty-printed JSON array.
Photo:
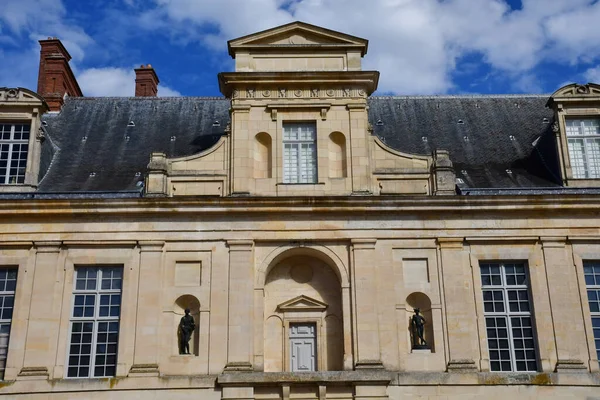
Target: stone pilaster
[
  {"x": 360, "y": 149},
  {"x": 147, "y": 343},
  {"x": 241, "y": 144},
  {"x": 44, "y": 315},
  {"x": 365, "y": 294},
  {"x": 565, "y": 305},
  {"x": 460, "y": 306},
  {"x": 240, "y": 349}
]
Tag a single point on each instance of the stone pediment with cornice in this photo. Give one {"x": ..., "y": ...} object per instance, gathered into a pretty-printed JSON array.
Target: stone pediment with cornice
[
  {"x": 294, "y": 35},
  {"x": 302, "y": 303}
]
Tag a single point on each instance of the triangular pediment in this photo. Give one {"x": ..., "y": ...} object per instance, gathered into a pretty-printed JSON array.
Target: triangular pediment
[
  {"x": 302, "y": 303},
  {"x": 297, "y": 34}
]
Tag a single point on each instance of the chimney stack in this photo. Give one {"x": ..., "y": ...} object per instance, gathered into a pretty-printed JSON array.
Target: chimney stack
[
  {"x": 146, "y": 81},
  {"x": 55, "y": 78}
]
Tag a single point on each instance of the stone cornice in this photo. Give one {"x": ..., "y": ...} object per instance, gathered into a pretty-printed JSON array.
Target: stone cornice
[
  {"x": 342, "y": 204},
  {"x": 322, "y": 80}
]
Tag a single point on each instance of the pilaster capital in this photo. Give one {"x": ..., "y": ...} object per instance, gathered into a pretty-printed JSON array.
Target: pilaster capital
[
  {"x": 52, "y": 246},
  {"x": 364, "y": 244},
  {"x": 456, "y": 243},
  {"x": 553, "y": 241},
  {"x": 151, "y": 246},
  {"x": 240, "y": 245}
]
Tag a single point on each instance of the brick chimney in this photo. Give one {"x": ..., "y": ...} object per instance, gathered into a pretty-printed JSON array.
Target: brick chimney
[
  {"x": 146, "y": 81},
  {"x": 55, "y": 78}
]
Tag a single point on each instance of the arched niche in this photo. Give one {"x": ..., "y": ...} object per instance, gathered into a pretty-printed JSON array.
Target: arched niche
[
  {"x": 183, "y": 302},
  {"x": 337, "y": 155},
  {"x": 423, "y": 303},
  {"x": 303, "y": 292},
  {"x": 263, "y": 155},
  {"x": 320, "y": 252}
]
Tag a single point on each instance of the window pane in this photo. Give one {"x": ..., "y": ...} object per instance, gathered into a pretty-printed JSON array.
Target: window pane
[
  {"x": 509, "y": 326},
  {"x": 299, "y": 153},
  {"x": 95, "y": 322}
]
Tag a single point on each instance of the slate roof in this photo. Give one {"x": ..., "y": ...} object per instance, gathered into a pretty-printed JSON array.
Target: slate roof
[
  {"x": 485, "y": 135},
  {"x": 91, "y": 146}
]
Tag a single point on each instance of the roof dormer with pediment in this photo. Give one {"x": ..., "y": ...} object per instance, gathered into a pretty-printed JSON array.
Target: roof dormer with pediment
[{"x": 297, "y": 46}]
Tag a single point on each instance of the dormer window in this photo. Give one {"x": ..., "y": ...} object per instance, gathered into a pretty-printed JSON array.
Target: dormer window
[
  {"x": 583, "y": 139},
  {"x": 14, "y": 146}
]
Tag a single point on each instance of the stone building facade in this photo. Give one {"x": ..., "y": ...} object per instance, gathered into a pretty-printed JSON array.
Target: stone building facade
[{"x": 301, "y": 221}]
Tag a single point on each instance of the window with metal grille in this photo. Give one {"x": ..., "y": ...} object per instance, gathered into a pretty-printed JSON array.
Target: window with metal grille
[
  {"x": 583, "y": 139},
  {"x": 8, "y": 285},
  {"x": 14, "y": 145},
  {"x": 95, "y": 322},
  {"x": 591, "y": 271},
  {"x": 299, "y": 153},
  {"x": 508, "y": 316}
]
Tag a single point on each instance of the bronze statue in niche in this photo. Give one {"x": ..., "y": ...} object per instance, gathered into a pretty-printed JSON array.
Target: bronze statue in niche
[
  {"x": 417, "y": 328},
  {"x": 186, "y": 328}
]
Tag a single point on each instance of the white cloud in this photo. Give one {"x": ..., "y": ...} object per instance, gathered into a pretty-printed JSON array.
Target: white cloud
[
  {"x": 100, "y": 82},
  {"x": 414, "y": 43},
  {"x": 593, "y": 75}
]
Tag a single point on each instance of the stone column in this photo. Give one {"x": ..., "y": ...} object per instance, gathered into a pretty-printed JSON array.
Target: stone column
[
  {"x": 565, "y": 304},
  {"x": 44, "y": 314},
  {"x": 240, "y": 342},
  {"x": 147, "y": 339},
  {"x": 365, "y": 300},
  {"x": 461, "y": 317}
]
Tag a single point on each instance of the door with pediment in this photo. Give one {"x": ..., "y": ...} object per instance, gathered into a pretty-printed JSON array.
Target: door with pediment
[{"x": 303, "y": 347}]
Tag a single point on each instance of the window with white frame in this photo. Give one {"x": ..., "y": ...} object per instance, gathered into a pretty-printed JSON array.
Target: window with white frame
[
  {"x": 14, "y": 145},
  {"x": 95, "y": 322},
  {"x": 299, "y": 152},
  {"x": 591, "y": 271},
  {"x": 508, "y": 316},
  {"x": 8, "y": 285},
  {"x": 583, "y": 140}
]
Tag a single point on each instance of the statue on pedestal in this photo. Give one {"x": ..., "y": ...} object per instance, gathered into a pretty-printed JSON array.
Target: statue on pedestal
[
  {"x": 417, "y": 328},
  {"x": 186, "y": 328}
]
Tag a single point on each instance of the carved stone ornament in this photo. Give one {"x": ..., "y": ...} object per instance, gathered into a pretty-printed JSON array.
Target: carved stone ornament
[
  {"x": 555, "y": 127},
  {"x": 330, "y": 92},
  {"x": 346, "y": 92},
  {"x": 582, "y": 89},
  {"x": 250, "y": 93},
  {"x": 266, "y": 93},
  {"x": 40, "y": 135},
  {"x": 235, "y": 93},
  {"x": 282, "y": 93},
  {"x": 361, "y": 93},
  {"x": 12, "y": 94},
  {"x": 298, "y": 93},
  {"x": 314, "y": 93}
]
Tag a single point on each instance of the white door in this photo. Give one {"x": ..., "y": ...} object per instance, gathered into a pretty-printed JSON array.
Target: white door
[{"x": 303, "y": 347}]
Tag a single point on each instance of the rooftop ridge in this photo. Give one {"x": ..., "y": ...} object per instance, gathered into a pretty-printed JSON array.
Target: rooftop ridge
[
  {"x": 474, "y": 96},
  {"x": 147, "y": 98}
]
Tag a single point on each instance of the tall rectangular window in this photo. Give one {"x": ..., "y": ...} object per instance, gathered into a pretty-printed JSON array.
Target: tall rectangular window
[
  {"x": 14, "y": 145},
  {"x": 583, "y": 139},
  {"x": 95, "y": 322},
  {"x": 8, "y": 285},
  {"x": 508, "y": 319},
  {"x": 299, "y": 153},
  {"x": 591, "y": 270}
]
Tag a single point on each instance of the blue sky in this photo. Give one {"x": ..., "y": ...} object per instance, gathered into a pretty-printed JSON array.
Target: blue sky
[{"x": 419, "y": 46}]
